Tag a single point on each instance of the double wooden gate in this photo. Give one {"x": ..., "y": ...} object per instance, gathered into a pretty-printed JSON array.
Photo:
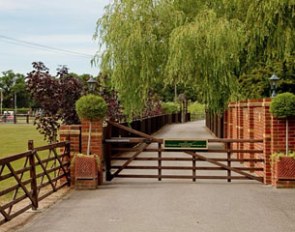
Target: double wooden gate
[{"x": 228, "y": 159}]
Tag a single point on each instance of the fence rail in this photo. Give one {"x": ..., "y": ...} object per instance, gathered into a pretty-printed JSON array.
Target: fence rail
[
  {"x": 29, "y": 177},
  {"x": 17, "y": 119}
]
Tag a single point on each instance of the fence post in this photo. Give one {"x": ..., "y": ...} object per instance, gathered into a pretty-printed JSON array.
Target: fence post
[
  {"x": 68, "y": 158},
  {"x": 33, "y": 175},
  {"x": 28, "y": 118}
]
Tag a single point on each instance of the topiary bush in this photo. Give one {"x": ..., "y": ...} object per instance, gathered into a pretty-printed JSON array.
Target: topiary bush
[
  {"x": 170, "y": 107},
  {"x": 283, "y": 105},
  {"x": 91, "y": 107}
]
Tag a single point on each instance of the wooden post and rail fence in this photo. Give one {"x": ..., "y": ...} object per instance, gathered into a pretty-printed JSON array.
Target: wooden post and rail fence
[
  {"x": 17, "y": 118},
  {"x": 29, "y": 177}
]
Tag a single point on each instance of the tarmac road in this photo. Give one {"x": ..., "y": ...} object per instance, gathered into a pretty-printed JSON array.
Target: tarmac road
[{"x": 126, "y": 205}]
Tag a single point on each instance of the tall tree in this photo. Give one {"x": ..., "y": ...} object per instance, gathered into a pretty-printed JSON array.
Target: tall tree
[
  {"x": 206, "y": 52},
  {"x": 56, "y": 96},
  {"x": 216, "y": 46},
  {"x": 13, "y": 85},
  {"x": 135, "y": 36}
]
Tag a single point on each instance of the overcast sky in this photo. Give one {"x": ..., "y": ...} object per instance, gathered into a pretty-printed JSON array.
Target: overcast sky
[{"x": 63, "y": 24}]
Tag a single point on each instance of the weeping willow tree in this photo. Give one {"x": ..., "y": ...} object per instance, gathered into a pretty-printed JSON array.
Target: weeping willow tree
[
  {"x": 135, "y": 36},
  {"x": 206, "y": 52},
  {"x": 211, "y": 45},
  {"x": 269, "y": 47}
]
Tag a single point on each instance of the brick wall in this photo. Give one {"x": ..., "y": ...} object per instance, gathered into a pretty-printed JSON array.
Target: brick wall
[{"x": 252, "y": 120}]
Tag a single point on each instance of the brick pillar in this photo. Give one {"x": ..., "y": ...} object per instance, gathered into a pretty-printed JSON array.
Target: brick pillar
[
  {"x": 73, "y": 134},
  {"x": 225, "y": 124},
  {"x": 240, "y": 126},
  {"x": 266, "y": 119},
  {"x": 230, "y": 121},
  {"x": 234, "y": 124},
  {"x": 96, "y": 142},
  {"x": 250, "y": 129}
]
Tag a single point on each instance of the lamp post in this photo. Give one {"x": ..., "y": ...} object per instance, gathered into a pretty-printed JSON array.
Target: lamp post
[
  {"x": 91, "y": 83},
  {"x": 273, "y": 84}
]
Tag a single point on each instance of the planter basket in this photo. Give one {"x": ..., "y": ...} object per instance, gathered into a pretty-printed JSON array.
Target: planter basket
[
  {"x": 86, "y": 172},
  {"x": 286, "y": 168}
]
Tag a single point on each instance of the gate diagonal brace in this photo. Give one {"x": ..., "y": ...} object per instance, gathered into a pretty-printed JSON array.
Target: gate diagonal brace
[
  {"x": 249, "y": 176},
  {"x": 140, "y": 150}
]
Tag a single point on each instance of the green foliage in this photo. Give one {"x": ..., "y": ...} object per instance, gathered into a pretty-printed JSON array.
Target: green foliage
[
  {"x": 255, "y": 83},
  {"x": 277, "y": 155},
  {"x": 205, "y": 52},
  {"x": 196, "y": 108},
  {"x": 170, "y": 107},
  {"x": 136, "y": 35},
  {"x": 91, "y": 107},
  {"x": 283, "y": 105},
  {"x": 13, "y": 85},
  {"x": 56, "y": 96},
  {"x": 225, "y": 49}
]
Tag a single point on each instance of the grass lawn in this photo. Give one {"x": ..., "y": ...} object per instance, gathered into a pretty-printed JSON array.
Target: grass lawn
[{"x": 14, "y": 138}]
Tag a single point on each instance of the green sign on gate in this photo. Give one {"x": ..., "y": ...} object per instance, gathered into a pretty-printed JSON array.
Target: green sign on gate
[{"x": 186, "y": 144}]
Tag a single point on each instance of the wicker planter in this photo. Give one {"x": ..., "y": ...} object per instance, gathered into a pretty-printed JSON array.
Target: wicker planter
[
  {"x": 285, "y": 168},
  {"x": 86, "y": 172}
]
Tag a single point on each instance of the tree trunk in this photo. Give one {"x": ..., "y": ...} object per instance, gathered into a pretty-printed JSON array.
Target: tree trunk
[{"x": 89, "y": 138}]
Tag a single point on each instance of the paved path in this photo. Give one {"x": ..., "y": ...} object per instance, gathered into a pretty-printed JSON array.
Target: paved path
[{"x": 172, "y": 206}]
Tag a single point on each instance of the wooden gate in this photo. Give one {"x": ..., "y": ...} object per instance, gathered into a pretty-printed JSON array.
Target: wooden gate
[{"x": 229, "y": 159}]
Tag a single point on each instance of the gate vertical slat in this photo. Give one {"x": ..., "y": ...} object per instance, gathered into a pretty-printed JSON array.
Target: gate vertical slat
[
  {"x": 159, "y": 161},
  {"x": 228, "y": 149},
  {"x": 194, "y": 168}
]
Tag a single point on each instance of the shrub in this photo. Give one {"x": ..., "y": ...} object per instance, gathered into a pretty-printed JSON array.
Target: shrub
[
  {"x": 91, "y": 107},
  {"x": 170, "y": 107},
  {"x": 196, "y": 108},
  {"x": 283, "y": 105},
  {"x": 277, "y": 155}
]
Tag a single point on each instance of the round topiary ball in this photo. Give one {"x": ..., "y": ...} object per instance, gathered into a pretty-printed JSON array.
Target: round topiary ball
[
  {"x": 283, "y": 105},
  {"x": 91, "y": 107}
]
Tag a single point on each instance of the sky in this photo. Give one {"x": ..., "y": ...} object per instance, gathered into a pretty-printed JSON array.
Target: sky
[{"x": 29, "y": 29}]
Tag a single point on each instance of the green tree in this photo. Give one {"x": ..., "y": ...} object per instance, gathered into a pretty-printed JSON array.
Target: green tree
[
  {"x": 218, "y": 47},
  {"x": 270, "y": 45},
  {"x": 13, "y": 85},
  {"x": 136, "y": 35},
  {"x": 205, "y": 52}
]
